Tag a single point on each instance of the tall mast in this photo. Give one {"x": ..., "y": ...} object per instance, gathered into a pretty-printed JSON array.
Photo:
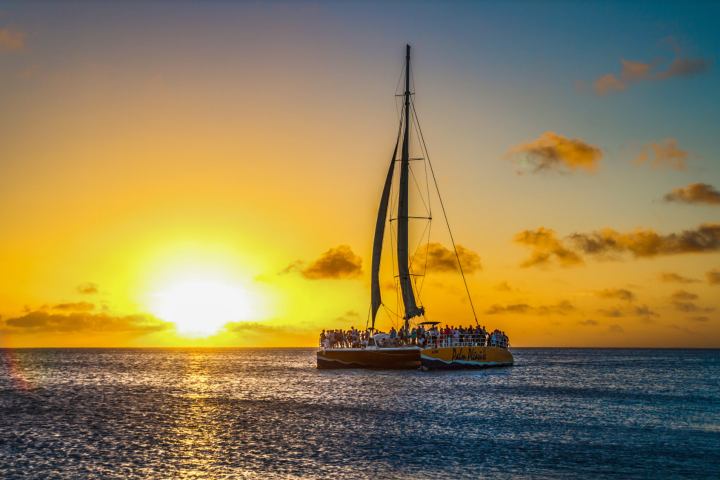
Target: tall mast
[{"x": 411, "y": 309}]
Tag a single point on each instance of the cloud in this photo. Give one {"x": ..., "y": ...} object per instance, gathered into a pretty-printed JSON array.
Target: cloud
[
  {"x": 713, "y": 276},
  {"x": 504, "y": 287},
  {"x": 648, "y": 243},
  {"x": 607, "y": 84},
  {"x": 628, "y": 311},
  {"x": 665, "y": 154},
  {"x": 690, "y": 307},
  {"x": 561, "y": 308},
  {"x": 607, "y": 243},
  {"x": 619, "y": 293},
  {"x": 553, "y": 152},
  {"x": 699, "y": 319},
  {"x": 44, "y": 322},
  {"x": 695, "y": 193},
  {"x": 74, "y": 307},
  {"x": 352, "y": 313},
  {"x": 88, "y": 288},
  {"x": 616, "y": 329},
  {"x": 336, "y": 263},
  {"x": 683, "y": 295},
  {"x": 686, "y": 67},
  {"x": 546, "y": 246},
  {"x": 589, "y": 323},
  {"x": 668, "y": 277},
  {"x": 441, "y": 259},
  {"x": 11, "y": 40},
  {"x": 635, "y": 71}
]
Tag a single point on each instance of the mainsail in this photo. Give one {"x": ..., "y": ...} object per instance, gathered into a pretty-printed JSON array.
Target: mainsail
[
  {"x": 379, "y": 234},
  {"x": 411, "y": 308}
]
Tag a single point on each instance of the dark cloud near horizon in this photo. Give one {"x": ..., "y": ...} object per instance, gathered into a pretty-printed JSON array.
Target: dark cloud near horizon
[
  {"x": 337, "y": 263},
  {"x": 84, "y": 322},
  {"x": 441, "y": 259},
  {"x": 561, "y": 308},
  {"x": 694, "y": 193},
  {"x": 88, "y": 288},
  {"x": 555, "y": 153},
  {"x": 683, "y": 295}
]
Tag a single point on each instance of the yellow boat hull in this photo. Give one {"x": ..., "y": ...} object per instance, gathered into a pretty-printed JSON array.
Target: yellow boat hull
[{"x": 456, "y": 358}]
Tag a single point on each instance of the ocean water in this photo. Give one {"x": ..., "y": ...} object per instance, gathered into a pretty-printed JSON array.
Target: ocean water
[{"x": 269, "y": 413}]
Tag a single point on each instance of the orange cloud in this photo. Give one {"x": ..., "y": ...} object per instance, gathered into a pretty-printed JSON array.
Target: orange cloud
[
  {"x": 666, "y": 154},
  {"x": 683, "y": 295},
  {"x": 546, "y": 246},
  {"x": 695, "y": 193},
  {"x": 441, "y": 259},
  {"x": 628, "y": 311},
  {"x": 561, "y": 308},
  {"x": 634, "y": 71},
  {"x": 648, "y": 243},
  {"x": 668, "y": 277},
  {"x": 619, "y": 293},
  {"x": 607, "y": 243},
  {"x": 43, "y": 322},
  {"x": 713, "y": 277},
  {"x": 88, "y": 288},
  {"x": 553, "y": 152},
  {"x": 74, "y": 307},
  {"x": 11, "y": 40},
  {"x": 336, "y": 263},
  {"x": 607, "y": 84}
]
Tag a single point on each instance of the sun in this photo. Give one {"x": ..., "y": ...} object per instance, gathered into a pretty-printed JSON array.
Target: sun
[{"x": 201, "y": 307}]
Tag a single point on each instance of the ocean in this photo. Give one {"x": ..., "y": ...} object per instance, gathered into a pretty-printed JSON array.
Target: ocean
[{"x": 269, "y": 413}]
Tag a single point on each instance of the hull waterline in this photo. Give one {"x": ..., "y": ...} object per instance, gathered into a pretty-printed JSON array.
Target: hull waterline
[{"x": 381, "y": 358}]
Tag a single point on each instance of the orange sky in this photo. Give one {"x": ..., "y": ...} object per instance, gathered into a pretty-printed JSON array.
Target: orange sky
[{"x": 162, "y": 185}]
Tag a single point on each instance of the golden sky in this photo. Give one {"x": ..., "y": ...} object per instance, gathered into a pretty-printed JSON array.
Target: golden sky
[{"x": 210, "y": 174}]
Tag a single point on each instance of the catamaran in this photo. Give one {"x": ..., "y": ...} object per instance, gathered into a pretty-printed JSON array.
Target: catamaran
[{"x": 468, "y": 349}]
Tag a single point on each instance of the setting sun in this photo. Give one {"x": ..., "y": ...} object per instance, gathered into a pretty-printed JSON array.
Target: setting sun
[{"x": 201, "y": 307}]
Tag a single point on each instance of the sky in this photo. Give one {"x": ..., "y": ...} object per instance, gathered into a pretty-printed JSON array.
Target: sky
[{"x": 209, "y": 174}]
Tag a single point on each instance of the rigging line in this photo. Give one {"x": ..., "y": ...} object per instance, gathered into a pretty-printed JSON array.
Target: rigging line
[
  {"x": 397, "y": 87},
  {"x": 390, "y": 311},
  {"x": 412, "y": 259},
  {"x": 446, "y": 218},
  {"x": 424, "y": 153},
  {"x": 419, "y": 191},
  {"x": 427, "y": 252}
]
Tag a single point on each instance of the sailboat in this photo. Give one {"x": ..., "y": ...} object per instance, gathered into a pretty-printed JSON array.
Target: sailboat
[{"x": 467, "y": 351}]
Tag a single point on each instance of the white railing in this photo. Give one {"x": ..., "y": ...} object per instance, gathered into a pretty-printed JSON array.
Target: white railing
[{"x": 432, "y": 341}]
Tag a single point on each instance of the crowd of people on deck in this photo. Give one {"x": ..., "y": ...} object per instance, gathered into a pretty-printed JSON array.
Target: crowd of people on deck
[{"x": 432, "y": 337}]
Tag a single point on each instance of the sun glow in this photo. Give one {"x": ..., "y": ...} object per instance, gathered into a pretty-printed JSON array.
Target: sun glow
[{"x": 203, "y": 307}]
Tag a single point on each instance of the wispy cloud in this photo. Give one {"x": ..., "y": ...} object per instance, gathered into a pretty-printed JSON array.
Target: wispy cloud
[
  {"x": 554, "y": 153},
  {"x": 695, "y": 193},
  {"x": 635, "y": 71},
  {"x": 11, "y": 40},
  {"x": 88, "y": 288},
  {"x": 669, "y": 277},
  {"x": 665, "y": 154},
  {"x": 44, "y": 322},
  {"x": 713, "y": 276},
  {"x": 616, "y": 293},
  {"x": 74, "y": 306},
  {"x": 561, "y": 308}
]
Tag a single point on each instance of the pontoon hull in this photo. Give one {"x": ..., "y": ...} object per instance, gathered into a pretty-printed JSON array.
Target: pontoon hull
[
  {"x": 382, "y": 358},
  {"x": 458, "y": 358}
]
